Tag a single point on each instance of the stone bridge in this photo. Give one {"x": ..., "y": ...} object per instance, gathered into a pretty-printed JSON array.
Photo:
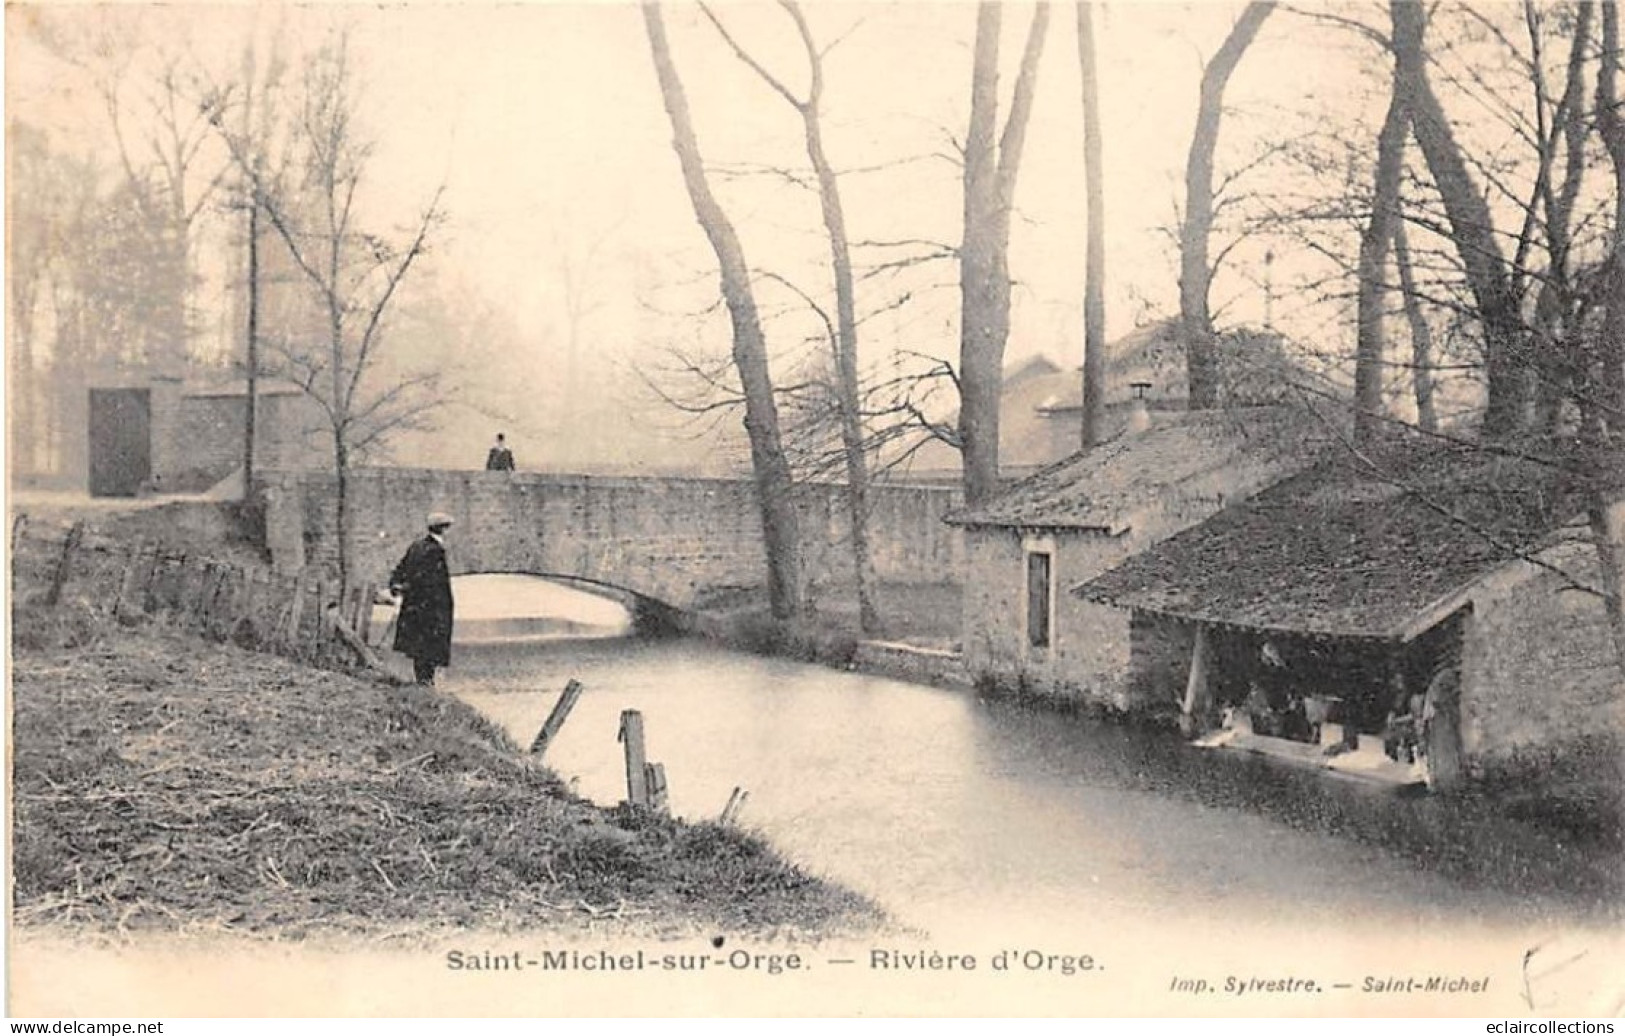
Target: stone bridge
[{"x": 676, "y": 541}]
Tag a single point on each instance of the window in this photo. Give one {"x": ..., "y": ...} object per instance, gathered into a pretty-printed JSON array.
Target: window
[{"x": 1039, "y": 602}]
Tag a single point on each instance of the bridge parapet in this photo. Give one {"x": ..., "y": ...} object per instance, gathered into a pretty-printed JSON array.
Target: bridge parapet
[{"x": 672, "y": 539}]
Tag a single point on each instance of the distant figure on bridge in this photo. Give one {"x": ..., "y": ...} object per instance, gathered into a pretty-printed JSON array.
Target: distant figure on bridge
[
  {"x": 423, "y": 582},
  {"x": 500, "y": 458}
]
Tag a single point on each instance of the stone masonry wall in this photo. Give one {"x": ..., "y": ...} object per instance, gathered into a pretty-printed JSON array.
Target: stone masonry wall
[
  {"x": 1090, "y": 657},
  {"x": 1160, "y": 662},
  {"x": 1538, "y": 670},
  {"x": 1089, "y": 652},
  {"x": 672, "y": 539}
]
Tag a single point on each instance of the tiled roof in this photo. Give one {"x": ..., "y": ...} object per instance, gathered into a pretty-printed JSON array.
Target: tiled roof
[
  {"x": 1351, "y": 547},
  {"x": 1104, "y": 487}
]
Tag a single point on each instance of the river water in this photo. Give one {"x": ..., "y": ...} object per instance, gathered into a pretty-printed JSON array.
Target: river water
[
  {"x": 948, "y": 810},
  {"x": 958, "y": 814}
]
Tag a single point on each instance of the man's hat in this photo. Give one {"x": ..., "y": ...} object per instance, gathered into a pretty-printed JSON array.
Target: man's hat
[{"x": 439, "y": 519}]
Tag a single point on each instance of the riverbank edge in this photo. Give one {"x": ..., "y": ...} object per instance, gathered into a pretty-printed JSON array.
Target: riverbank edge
[
  {"x": 98, "y": 809},
  {"x": 1578, "y": 796}
]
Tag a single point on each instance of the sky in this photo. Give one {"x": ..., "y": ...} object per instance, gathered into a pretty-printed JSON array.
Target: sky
[{"x": 544, "y": 122}]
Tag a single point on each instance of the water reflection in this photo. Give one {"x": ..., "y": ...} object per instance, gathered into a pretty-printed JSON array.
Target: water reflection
[{"x": 510, "y": 607}]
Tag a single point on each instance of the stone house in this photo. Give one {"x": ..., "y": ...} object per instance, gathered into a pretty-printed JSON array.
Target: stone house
[
  {"x": 1021, "y": 631},
  {"x": 1435, "y": 586},
  {"x": 1041, "y": 401},
  {"x": 168, "y": 434}
]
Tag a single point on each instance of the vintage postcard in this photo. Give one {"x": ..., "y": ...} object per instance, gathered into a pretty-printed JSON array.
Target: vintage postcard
[{"x": 813, "y": 508}]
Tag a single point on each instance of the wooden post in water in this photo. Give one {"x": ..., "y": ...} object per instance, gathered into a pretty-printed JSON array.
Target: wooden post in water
[
  {"x": 556, "y": 718},
  {"x": 59, "y": 578},
  {"x": 637, "y": 778}
]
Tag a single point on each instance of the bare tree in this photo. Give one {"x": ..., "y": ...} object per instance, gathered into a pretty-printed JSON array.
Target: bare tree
[
  {"x": 257, "y": 108},
  {"x": 990, "y": 173},
  {"x": 845, "y": 336},
  {"x": 1195, "y": 269},
  {"x": 1094, "y": 286},
  {"x": 771, "y": 471},
  {"x": 31, "y": 226},
  {"x": 1370, "y": 340},
  {"x": 1422, "y": 353},
  {"x": 1472, "y": 227},
  {"x": 1604, "y": 426},
  {"x": 352, "y": 275},
  {"x": 161, "y": 141}
]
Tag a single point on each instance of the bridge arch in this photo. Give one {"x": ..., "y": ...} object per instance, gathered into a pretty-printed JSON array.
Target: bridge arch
[
  {"x": 649, "y": 616},
  {"x": 673, "y": 542}
]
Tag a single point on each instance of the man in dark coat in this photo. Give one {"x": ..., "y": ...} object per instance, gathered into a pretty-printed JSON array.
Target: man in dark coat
[
  {"x": 423, "y": 582},
  {"x": 500, "y": 458}
]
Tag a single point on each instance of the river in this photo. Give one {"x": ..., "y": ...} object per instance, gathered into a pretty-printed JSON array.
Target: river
[{"x": 957, "y": 814}]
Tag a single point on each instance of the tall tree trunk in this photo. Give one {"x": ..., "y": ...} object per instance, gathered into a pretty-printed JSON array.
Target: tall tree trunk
[
  {"x": 24, "y": 384},
  {"x": 1094, "y": 277},
  {"x": 341, "y": 445},
  {"x": 341, "y": 471},
  {"x": 1472, "y": 229},
  {"x": 982, "y": 328},
  {"x": 990, "y": 177},
  {"x": 845, "y": 332},
  {"x": 1373, "y": 271},
  {"x": 1195, "y": 272},
  {"x": 846, "y": 357},
  {"x": 1611, "y": 126},
  {"x": 1427, "y": 416},
  {"x": 1604, "y": 430},
  {"x": 774, "y": 492},
  {"x": 1552, "y": 334},
  {"x": 252, "y": 345}
]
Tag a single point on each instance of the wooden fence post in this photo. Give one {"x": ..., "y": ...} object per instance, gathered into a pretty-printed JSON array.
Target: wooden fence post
[
  {"x": 654, "y": 780},
  {"x": 556, "y": 718},
  {"x": 126, "y": 585},
  {"x": 288, "y": 626},
  {"x": 736, "y": 802},
  {"x": 637, "y": 778},
  {"x": 196, "y": 612},
  {"x": 149, "y": 577},
  {"x": 351, "y": 612},
  {"x": 59, "y": 578}
]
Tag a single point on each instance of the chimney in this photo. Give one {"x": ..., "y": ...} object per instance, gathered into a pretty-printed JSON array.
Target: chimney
[{"x": 1139, "y": 415}]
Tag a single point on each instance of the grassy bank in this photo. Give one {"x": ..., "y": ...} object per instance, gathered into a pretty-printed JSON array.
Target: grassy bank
[{"x": 161, "y": 782}]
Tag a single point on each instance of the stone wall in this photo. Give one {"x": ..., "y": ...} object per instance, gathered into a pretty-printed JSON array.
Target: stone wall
[
  {"x": 1089, "y": 659},
  {"x": 1088, "y": 656},
  {"x": 911, "y": 663},
  {"x": 209, "y": 430},
  {"x": 1160, "y": 652},
  {"x": 1538, "y": 670},
  {"x": 673, "y": 539}
]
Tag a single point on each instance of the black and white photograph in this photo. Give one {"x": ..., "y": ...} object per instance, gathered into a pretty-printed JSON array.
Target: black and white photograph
[{"x": 815, "y": 508}]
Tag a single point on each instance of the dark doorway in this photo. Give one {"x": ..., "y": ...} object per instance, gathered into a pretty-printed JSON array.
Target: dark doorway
[{"x": 120, "y": 441}]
